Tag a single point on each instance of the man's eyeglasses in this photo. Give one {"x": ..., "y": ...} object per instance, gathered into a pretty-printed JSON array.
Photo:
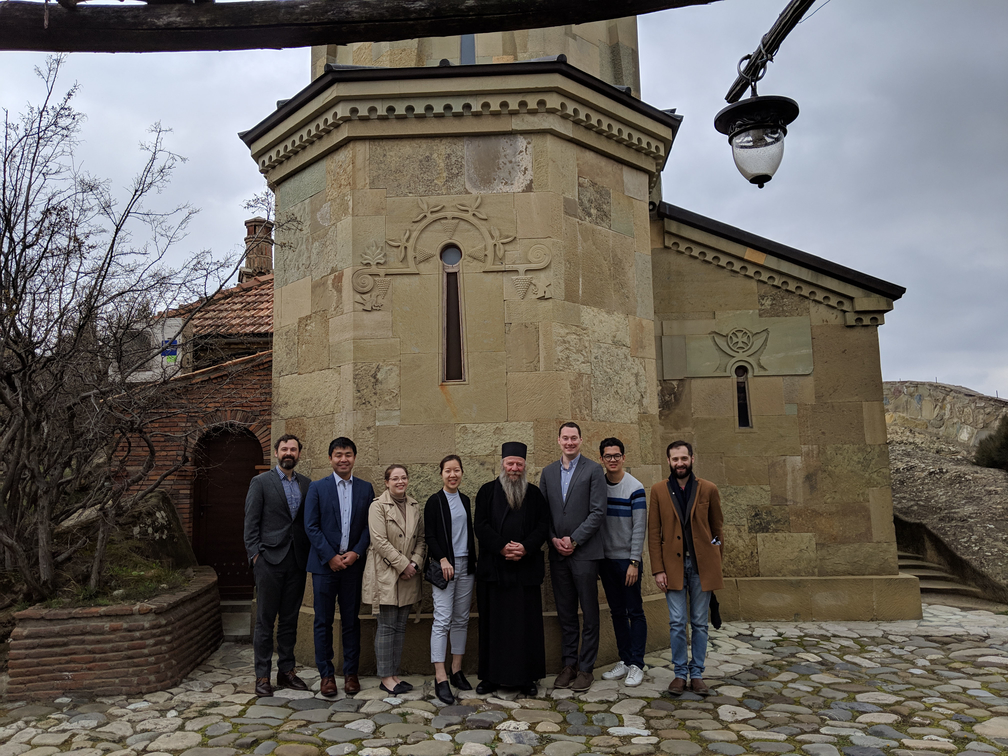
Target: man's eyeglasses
[{"x": 612, "y": 457}]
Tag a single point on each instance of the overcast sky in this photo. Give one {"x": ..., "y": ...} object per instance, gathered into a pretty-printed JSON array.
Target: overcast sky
[{"x": 897, "y": 165}]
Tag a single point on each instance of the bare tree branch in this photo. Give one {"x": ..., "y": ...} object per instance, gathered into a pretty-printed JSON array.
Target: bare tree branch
[{"x": 79, "y": 298}]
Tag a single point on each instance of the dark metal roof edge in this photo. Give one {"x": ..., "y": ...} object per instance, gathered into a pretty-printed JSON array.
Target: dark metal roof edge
[
  {"x": 332, "y": 76},
  {"x": 818, "y": 264}
]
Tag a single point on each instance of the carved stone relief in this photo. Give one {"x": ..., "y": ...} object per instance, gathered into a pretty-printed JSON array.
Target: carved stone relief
[
  {"x": 434, "y": 227},
  {"x": 709, "y": 348}
]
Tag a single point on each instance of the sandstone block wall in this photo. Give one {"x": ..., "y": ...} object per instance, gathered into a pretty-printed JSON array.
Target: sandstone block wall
[
  {"x": 605, "y": 49},
  {"x": 806, "y": 489},
  {"x": 950, "y": 412},
  {"x": 577, "y": 343},
  {"x": 112, "y": 650}
]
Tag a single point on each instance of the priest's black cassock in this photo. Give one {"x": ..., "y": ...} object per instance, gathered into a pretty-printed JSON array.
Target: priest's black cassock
[{"x": 512, "y": 650}]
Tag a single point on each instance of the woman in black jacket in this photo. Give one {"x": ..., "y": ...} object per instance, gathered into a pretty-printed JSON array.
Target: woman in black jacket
[{"x": 450, "y": 543}]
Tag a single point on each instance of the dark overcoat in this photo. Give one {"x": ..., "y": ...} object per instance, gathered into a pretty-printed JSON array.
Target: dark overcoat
[{"x": 496, "y": 524}]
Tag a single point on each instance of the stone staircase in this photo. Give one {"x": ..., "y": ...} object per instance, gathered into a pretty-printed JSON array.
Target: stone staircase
[{"x": 935, "y": 582}]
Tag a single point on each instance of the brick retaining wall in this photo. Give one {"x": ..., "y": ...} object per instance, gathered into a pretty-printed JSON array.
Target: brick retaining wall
[{"x": 112, "y": 650}]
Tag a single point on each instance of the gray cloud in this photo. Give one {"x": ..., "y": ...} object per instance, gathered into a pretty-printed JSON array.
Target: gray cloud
[{"x": 896, "y": 165}]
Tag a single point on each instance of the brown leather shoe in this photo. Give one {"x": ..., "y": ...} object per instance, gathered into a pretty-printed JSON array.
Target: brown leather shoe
[
  {"x": 263, "y": 689},
  {"x": 328, "y": 686},
  {"x": 699, "y": 687},
  {"x": 565, "y": 678},
  {"x": 351, "y": 684},
  {"x": 582, "y": 682},
  {"x": 290, "y": 680},
  {"x": 677, "y": 686}
]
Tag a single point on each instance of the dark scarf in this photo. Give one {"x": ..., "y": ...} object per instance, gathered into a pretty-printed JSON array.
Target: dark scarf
[{"x": 682, "y": 498}]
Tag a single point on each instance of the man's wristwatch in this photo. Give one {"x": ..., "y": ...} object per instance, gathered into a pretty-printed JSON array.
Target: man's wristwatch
[{"x": 635, "y": 563}]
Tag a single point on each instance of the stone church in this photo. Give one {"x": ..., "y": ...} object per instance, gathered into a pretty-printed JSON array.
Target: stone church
[{"x": 472, "y": 248}]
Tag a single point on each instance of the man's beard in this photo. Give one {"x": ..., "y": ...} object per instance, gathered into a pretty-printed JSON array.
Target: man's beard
[
  {"x": 684, "y": 474},
  {"x": 514, "y": 490},
  {"x": 288, "y": 462}
]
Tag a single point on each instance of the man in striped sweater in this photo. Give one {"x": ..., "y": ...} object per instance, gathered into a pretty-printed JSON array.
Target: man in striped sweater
[{"x": 623, "y": 532}]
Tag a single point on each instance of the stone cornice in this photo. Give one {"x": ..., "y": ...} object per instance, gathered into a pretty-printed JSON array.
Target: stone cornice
[
  {"x": 859, "y": 306},
  {"x": 535, "y": 102}
]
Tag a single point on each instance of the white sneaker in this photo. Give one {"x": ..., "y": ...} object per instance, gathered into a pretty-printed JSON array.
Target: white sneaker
[
  {"x": 635, "y": 676},
  {"x": 616, "y": 673}
]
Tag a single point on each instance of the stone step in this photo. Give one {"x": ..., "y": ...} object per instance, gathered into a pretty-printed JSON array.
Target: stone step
[
  {"x": 236, "y": 618},
  {"x": 933, "y": 578},
  {"x": 930, "y": 574},
  {"x": 943, "y": 586}
]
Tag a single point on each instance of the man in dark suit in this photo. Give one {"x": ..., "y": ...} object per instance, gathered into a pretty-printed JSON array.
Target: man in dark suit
[
  {"x": 575, "y": 489},
  {"x": 277, "y": 549},
  {"x": 336, "y": 521}
]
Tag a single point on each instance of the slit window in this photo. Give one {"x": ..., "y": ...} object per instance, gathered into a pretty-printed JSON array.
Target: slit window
[
  {"x": 451, "y": 305},
  {"x": 742, "y": 396}
]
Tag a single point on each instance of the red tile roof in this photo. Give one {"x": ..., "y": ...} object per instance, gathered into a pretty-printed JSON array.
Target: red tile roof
[{"x": 244, "y": 309}]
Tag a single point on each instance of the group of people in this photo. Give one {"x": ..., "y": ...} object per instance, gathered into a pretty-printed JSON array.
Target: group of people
[{"x": 378, "y": 549}]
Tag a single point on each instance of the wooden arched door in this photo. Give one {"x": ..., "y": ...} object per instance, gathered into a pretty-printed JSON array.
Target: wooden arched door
[{"x": 226, "y": 460}]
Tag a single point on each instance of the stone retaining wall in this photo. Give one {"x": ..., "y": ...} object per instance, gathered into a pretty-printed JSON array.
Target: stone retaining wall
[
  {"x": 115, "y": 650},
  {"x": 951, "y": 412}
]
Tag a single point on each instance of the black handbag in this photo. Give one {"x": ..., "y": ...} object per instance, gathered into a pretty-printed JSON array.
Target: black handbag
[{"x": 433, "y": 573}]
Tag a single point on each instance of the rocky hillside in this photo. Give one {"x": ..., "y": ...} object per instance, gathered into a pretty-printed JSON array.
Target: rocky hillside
[{"x": 935, "y": 482}]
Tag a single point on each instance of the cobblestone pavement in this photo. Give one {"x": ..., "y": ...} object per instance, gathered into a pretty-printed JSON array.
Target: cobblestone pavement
[{"x": 937, "y": 686}]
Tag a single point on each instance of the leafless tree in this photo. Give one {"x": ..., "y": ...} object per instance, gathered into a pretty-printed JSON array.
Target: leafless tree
[{"x": 83, "y": 271}]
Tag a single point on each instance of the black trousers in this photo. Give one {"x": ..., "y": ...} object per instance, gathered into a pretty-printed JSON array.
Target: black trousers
[{"x": 279, "y": 592}]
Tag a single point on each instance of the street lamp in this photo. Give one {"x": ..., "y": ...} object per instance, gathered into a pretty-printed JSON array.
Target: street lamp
[{"x": 756, "y": 126}]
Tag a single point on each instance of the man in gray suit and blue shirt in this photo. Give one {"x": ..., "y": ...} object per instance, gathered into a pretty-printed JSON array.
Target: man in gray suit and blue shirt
[
  {"x": 336, "y": 521},
  {"x": 277, "y": 549},
  {"x": 575, "y": 489}
]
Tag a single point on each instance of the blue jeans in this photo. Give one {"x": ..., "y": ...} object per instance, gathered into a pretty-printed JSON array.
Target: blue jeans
[
  {"x": 696, "y": 606},
  {"x": 627, "y": 610}
]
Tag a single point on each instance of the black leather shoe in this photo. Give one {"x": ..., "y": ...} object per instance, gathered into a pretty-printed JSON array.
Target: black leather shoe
[
  {"x": 443, "y": 691},
  {"x": 403, "y": 687},
  {"x": 486, "y": 686},
  {"x": 290, "y": 680},
  {"x": 459, "y": 681},
  {"x": 263, "y": 689},
  {"x": 529, "y": 691}
]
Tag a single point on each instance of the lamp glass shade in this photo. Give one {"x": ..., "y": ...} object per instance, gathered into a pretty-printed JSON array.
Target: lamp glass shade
[{"x": 758, "y": 153}]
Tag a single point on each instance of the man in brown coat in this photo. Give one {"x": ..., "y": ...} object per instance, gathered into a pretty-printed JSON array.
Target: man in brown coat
[{"x": 685, "y": 541}]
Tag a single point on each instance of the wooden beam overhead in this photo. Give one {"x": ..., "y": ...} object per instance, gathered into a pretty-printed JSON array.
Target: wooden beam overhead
[{"x": 287, "y": 23}]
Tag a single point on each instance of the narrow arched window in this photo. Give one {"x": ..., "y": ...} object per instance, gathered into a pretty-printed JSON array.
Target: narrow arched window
[
  {"x": 742, "y": 396},
  {"x": 453, "y": 363}
]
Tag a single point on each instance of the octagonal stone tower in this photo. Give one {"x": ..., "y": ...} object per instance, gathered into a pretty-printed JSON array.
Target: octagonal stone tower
[{"x": 464, "y": 258}]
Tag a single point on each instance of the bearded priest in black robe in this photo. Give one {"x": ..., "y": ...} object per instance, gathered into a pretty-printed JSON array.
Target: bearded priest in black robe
[{"x": 511, "y": 523}]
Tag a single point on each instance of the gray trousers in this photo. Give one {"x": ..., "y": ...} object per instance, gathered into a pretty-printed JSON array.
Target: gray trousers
[
  {"x": 279, "y": 591},
  {"x": 389, "y": 638},
  {"x": 451, "y": 612},
  {"x": 575, "y": 581}
]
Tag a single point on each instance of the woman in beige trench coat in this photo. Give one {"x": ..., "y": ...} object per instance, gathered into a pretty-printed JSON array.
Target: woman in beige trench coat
[{"x": 392, "y": 580}]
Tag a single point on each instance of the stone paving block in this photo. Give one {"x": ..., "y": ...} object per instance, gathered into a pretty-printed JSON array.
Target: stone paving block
[{"x": 175, "y": 741}]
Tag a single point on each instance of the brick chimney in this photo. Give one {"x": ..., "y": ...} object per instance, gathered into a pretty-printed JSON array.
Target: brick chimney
[{"x": 258, "y": 249}]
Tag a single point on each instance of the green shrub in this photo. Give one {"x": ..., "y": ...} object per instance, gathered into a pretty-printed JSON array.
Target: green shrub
[{"x": 993, "y": 450}]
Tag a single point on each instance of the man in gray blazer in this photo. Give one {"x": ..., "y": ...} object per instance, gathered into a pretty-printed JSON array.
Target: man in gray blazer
[
  {"x": 278, "y": 551},
  {"x": 575, "y": 488}
]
